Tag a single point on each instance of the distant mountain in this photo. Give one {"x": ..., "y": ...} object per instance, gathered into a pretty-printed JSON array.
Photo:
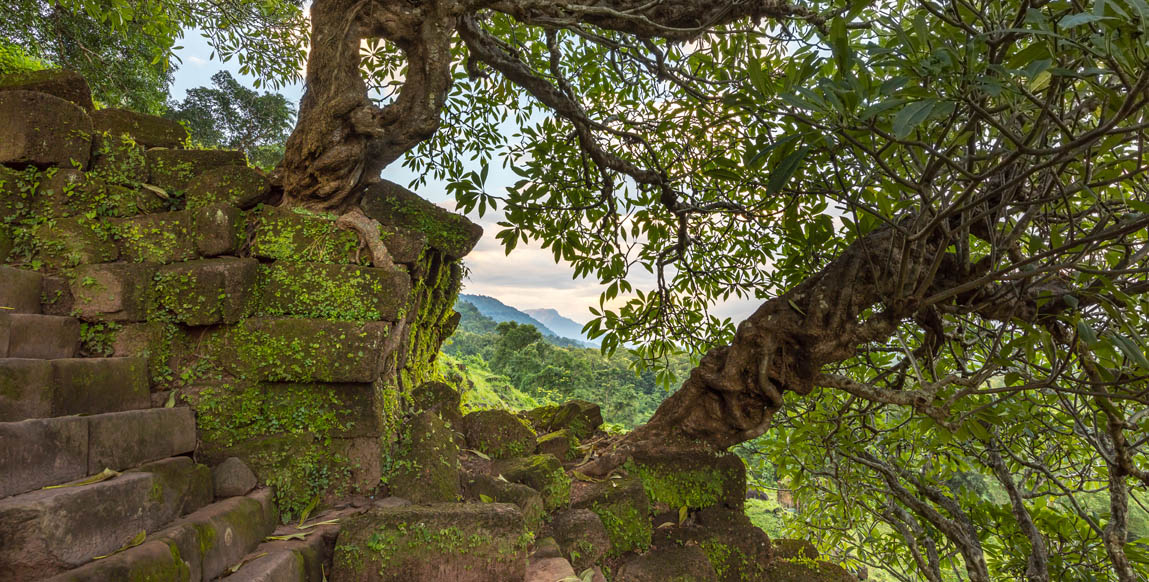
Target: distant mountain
[
  {"x": 563, "y": 326},
  {"x": 499, "y": 311}
]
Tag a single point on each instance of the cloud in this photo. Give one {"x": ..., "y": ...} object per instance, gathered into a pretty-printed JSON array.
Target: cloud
[{"x": 196, "y": 61}]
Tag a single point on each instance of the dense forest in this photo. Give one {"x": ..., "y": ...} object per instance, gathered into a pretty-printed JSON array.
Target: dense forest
[{"x": 513, "y": 364}]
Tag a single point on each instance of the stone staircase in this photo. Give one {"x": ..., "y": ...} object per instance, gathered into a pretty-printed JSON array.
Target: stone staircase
[{"x": 96, "y": 483}]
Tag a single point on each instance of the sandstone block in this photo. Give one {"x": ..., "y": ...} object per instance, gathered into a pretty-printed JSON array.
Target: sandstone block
[
  {"x": 156, "y": 238},
  {"x": 113, "y": 292},
  {"x": 60, "y": 83},
  {"x": 560, "y": 444},
  {"x": 296, "y": 235},
  {"x": 688, "y": 564},
  {"x": 543, "y": 473},
  {"x": 803, "y": 571},
  {"x": 218, "y": 230},
  {"x": 41, "y": 130},
  {"x": 301, "y": 350},
  {"x": 272, "y": 567},
  {"x": 481, "y": 542},
  {"x": 46, "y": 532},
  {"x": 56, "y": 296},
  {"x": 95, "y": 385},
  {"x": 529, "y": 501},
  {"x": 147, "y": 130},
  {"x": 695, "y": 479},
  {"x": 74, "y": 241},
  {"x": 581, "y": 536},
  {"x": 394, "y": 205},
  {"x": 405, "y": 245},
  {"x": 153, "y": 341},
  {"x": 25, "y": 389},
  {"x": 20, "y": 292},
  {"x": 126, "y": 439},
  {"x": 233, "y": 185},
  {"x": 427, "y": 461},
  {"x": 118, "y": 159},
  {"x": 45, "y": 337},
  {"x": 204, "y": 292},
  {"x": 735, "y": 547},
  {"x": 173, "y": 170},
  {"x": 151, "y": 561},
  {"x": 624, "y": 509},
  {"x": 338, "y": 292},
  {"x": 498, "y": 434},
  {"x": 219, "y": 535},
  {"x": 39, "y": 452},
  {"x": 441, "y": 399},
  {"x": 545, "y": 564}
]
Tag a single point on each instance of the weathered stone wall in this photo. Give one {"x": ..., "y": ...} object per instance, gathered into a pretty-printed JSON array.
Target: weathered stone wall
[{"x": 296, "y": 353}]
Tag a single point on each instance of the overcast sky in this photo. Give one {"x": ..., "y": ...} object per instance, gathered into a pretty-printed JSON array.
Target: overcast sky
[{"x": 527, "y": 279}]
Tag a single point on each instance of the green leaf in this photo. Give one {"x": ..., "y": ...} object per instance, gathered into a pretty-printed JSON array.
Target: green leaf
[
  {"x": 486, "y": 498},
  {"x": 911, "y": 116},
  {"x": 1074, "y": 20},
  {"x": 785, "y": 170}
]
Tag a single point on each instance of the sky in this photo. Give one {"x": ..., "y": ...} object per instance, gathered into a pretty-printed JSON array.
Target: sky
[{"x": 528, "y": 278}]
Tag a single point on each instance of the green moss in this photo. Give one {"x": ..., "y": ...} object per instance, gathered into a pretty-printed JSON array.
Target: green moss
[
  {"x": 333, "y": 292},
  {"x": 730, "y": 562},
  {"x": 156, "y": 238},
  {"x": 676, "y": 487},
  {"x": 628, "y": 528},
  {"x": 390, "y": 547},
  {"x": 302, "y": 236},
  {"x": 349, "y": 556}
]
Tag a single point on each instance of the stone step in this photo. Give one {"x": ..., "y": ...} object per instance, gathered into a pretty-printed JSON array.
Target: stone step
[
  {"x": 198, "y": 547},
  {"x": 19, "y": 290},
  {"x": 34, "y": 388},
  {"x": 47, "y": 337},
  {"x": 47, "y": 532},
  {"x": 294, "y": 560},
  {"x": 47, "y": 451}
]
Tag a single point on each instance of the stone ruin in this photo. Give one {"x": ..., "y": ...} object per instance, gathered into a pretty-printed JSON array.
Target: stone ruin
[{"x": 198, "y": 384}]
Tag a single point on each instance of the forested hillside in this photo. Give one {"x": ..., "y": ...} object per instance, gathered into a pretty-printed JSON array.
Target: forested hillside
[{"x": 512, "y": 361}]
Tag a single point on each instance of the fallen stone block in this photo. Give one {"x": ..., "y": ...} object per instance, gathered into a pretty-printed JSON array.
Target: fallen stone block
[
  {"x": 427, "y": 461},
  {"x": 581, "y": 536},
  {"x": 678, "y": 563},
  {"x": 692, "y": 478},
  {"x": 498, "y": 434},
  {"x": 42, "y": 130},
  {"x": 485, "y": 488},
  {"x": 543, "y": 473},
  {"x": 473, "y": 542},
  {"x": 624, "y": 509},
  {"x": 546, "y": 563},
  {"x": 232, "y": 478}
]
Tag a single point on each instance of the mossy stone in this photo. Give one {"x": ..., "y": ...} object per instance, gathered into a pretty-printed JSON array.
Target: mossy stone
[
  {"x": 560, "y": 444},
  {"x": 672, "y": 564},
  {"x": 471, "y": 542},
  {"x": 440, "y": 398},
  {"x": 498, "y": 434},
  {"x": 622, "y": 505},
  {"x": 79, "y": 240},
  {"x": 737, "y": 549},
  {"x": 61, "y": 83},
  {"x": 394, "y": 205},
  {"x": 298, "y": 235},
  {"x": 218, "y": 230},
  {"x": 147, "y": 130},
  {"x": 173, "y": 170},
  {"x": 335, "y": 292},
  {"x": 113, "y": 292},
  {"x": 543, "y": 473},
  {"x": 529, "y": 501},
  {"x": 694, "y": 478},
  {"x": 44, "y": 131},
  {"x": 426, "y": 463},
  {"x": 582, "y": 537},
  {"x": 204, "y": 292},
  {"x": 786, "y": 549},
  {"x": 235, "y": 185},
  {"x": 797, "y": 570},
  {"x": 156, "y": 238}
]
